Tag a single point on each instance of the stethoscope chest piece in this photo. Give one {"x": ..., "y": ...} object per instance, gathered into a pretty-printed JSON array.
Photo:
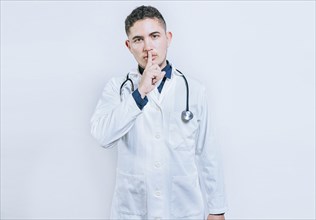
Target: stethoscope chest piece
[{"x": 186, "y": 116}]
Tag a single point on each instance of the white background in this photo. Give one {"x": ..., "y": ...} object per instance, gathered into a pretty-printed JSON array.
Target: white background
[{"x": 257, "y": 59}]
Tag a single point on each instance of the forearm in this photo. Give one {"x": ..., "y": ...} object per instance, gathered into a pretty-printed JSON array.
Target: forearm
[{"x": 108, "y": 124}]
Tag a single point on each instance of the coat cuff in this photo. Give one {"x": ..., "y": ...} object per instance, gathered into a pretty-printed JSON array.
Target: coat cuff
[
  {"x": 141, "y": 102},
  {"x": 217, "y": 205},
  {"x": 220, "y": 211}
]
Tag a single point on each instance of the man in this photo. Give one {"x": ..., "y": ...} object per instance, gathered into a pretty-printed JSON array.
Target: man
[{"x": 166, "y": 164}]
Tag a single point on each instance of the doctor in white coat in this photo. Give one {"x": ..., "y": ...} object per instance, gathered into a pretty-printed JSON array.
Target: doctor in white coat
[{"x": 167, "y": 168}]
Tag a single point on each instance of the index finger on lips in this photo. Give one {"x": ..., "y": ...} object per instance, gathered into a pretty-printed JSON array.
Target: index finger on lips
[{"x": 149, "y": 59}]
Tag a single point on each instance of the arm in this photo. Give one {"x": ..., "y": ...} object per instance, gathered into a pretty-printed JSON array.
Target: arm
[
  {"x": 112, "y": 118},
  {"x": 209, "y": 164}
]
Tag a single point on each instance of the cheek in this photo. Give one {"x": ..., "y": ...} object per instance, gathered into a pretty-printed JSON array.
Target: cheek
[
  {"x": 135, "y": 52},
  {"x": 162, "y": 47},
  {"x": 158, "y": 44},
  {"x": 136, "y": 48}
]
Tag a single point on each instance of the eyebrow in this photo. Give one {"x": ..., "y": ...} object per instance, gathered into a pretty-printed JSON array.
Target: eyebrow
[
  {"x": 141, "y": 37},
  {"x": 137, "y": 37}
]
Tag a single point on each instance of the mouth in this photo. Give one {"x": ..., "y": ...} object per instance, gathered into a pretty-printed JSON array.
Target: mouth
[{"x": 153, "y": 57}]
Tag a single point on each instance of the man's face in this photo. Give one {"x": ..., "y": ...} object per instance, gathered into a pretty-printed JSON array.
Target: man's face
[{"x": 149, "y": 35}]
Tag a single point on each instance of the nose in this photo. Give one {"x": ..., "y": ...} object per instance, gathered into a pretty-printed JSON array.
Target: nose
[{"x": 147, "y": 45}]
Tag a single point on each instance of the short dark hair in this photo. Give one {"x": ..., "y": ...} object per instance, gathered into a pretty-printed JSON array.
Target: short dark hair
[{"x": 141, "y": 13}]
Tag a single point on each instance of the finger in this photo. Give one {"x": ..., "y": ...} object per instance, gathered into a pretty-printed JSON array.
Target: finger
[
  {"x": 157, "y": 77},
  {"x": 153, "y": 82},
  {"x": 155, "y": 74},
  {"x": 154, "y": 68},
  {"x": 149, "y": 59}
]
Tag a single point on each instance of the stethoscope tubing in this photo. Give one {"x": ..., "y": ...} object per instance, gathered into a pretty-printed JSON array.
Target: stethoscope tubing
[
  {"x": 187, "y": 115},
  {"x": 187, "y": 86},
  {"x": 127, "y": 79}
]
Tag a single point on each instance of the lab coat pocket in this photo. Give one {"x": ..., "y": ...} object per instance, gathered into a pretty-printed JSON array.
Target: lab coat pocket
[
  {"x": 131, "y": 194},
  {"x": 186, "y": 198},
  {"x": 182, "y": 134}
]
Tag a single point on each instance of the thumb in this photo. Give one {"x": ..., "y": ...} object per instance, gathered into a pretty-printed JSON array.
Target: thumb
[{"x": 158, "y": 77}]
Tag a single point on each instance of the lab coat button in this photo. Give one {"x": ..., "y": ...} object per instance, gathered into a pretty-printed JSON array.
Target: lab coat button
[
  {"x": 157, "y": 193},
  {"x": 157, "y": 136},
  {"x": 157, "y": 164}
]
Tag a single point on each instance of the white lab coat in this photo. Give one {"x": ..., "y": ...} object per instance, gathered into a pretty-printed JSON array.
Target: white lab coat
[{"x": 165, "y": 166}]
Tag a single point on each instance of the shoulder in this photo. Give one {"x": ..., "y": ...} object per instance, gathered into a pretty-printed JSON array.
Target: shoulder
[
  {"x": 117, "y": 81},
  {"x": 194, "y": 83}
]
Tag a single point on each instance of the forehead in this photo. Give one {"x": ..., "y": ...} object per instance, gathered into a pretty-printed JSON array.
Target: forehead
[{"x": 146, "y": 26}]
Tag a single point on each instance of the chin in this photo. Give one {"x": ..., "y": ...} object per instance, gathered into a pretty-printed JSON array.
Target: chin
[{"x": 143, "y": 65}]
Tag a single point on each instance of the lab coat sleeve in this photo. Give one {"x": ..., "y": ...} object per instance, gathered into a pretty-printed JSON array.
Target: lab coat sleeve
[
  {"x": 209, "y": 162},
  {"x": 112, "y": 117}
]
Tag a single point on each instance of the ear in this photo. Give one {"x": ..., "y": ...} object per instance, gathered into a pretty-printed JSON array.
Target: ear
[
  {"x": 169, "y": 37},
  {"x": 128, "y": 44}
]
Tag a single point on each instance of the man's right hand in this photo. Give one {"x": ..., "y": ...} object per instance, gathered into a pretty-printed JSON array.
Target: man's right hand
[{"x": 151, "y": 75}]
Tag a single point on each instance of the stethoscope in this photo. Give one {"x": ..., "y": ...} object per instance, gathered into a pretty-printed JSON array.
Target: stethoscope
[{"x": 186, "y": 115}]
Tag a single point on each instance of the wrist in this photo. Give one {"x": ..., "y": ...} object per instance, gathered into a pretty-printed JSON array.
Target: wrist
[{"x": 141, "y": 92}]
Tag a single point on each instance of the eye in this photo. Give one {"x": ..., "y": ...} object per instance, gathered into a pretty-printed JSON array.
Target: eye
[
  {"x": 137, "y": 40},
  {"x": 155, "y": 36}
]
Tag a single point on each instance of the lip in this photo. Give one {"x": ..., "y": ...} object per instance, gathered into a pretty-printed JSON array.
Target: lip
[{"x": 153, "y": 57}]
